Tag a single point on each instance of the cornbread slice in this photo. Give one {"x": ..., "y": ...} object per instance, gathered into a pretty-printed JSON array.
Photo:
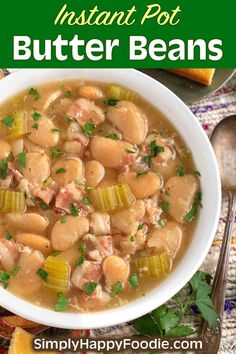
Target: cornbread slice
[
  {"x": 204, "y": 76},
  {"x": 21, "y": 343}
]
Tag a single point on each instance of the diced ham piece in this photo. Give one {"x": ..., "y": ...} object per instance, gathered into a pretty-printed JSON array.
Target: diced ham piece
[
  {"x": 46, "y": 195},
  {"x": 68, "y": 195},
  {"x": 86, "y": 273},
  {"x": 85, "y": 111},
  {"x": 8, "y": 254},
  {"x": 100, "y": 223},
  {"x": 98, "y": 247},
  {"x": 5, "y": 183}
]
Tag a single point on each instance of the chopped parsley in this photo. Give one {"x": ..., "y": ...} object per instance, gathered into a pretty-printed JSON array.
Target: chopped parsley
[
  {"x": 130, "y": 151},
  {"x": 54, "y": 254},
  {"x": 132, "y": 238},
  {"x": 55, "y": 153},
  {"x": 3, "y": 169},
  {"x": 88, "y": 128},
  {"x": 197, "y": 173},
  {"x": 188, "y": 217},
  {"x": 82, "y": 247},
  {"x": 165, "y": 205},
  {"x": 43, "y": 205},
  {"x": 35, "y": 126},
  {"x": 90, "y": 287},
  {"x": 69, "y": 120},
  {"x": 8, "y": 121},
  {"x": 9, "y": 236},
  {"x": 36, "y": 116},
  {"x": 22, "y": 159},
  {"x": 113, "y": 136},
  {"x": 62, "y": 303},
  {"x": 80, "y": 261},
  {"x": 161, "y": 223},
  {"x": 60, "y": 170},
  {"x": 6, "y": 276},
  {"x": 117, "y": 289},
  {"x": 79, "y": 182},
  {"x": 140, "y": 174},
  {"x": 148, "y": 160},
  {"x": 63, "y": 219},
  {"x": 180, "y": 171},
  {"x": 42, "y": 274},
  {"x": 86, "y": 201},
  {"x": 68, "y": 93},
  {"x": 74, "y": 210},
  {"x": 140, "y": 227},
  {"x": 133, "y": 280},
  {"x": 156, "y": 149},
  {"x": 33, "y": 92},
  {"x": 55, "y": 130},
  {"x": 110, "y": 102}
]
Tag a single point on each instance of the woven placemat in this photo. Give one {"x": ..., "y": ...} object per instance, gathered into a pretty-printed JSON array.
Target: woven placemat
[{"x": 209, "y": 111}]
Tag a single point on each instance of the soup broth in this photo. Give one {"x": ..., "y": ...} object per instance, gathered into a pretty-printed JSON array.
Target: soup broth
[{"x": 98, "y": 196}]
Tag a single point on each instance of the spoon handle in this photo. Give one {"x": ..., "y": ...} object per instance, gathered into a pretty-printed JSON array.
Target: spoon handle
[{"x": 220, "y": 279}]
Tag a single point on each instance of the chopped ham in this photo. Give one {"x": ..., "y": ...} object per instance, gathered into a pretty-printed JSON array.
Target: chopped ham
[
  {"x": 100, "y": 223},
  {"x": 85, "y": 111},
  {"x": 86, "y": 273},
  {"x": 85, "y": 303},
  {"x": 46, "y": 195},
  {"x": 68, "y": 195},
  {"x": 98, "y": 247},
  {"x": 8, "y": 254},
  {"x": 5, "y": 183},
  {"x": 153, "y": 212}
]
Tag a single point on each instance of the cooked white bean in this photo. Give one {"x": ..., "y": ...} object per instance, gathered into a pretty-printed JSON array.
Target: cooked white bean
[
  {"x": 168, "y": 238},
  {"x": 49, "y": 97},
  {"x": 130, "y": 120},
  {"x": 37, "y": 168},
  {"x": 5, "y": 149},
  {"x": 94, "y": 173},
  {"x": 110, "y": 178},
  {"x": 64, "y": 235},
  {"x": 127, "y": 220},
  {"x": 91, "y": 92},
  {"x": 67, "y": 170},
  {"x": 28, "y": 222},
  {"x": 109, "y": 152},
  {"x": 180, "y": 195},
  {"x": 17, "y": 147},
  {"x": 37, "y": 242},
  {"x": 142, "y": 185},
  {"x": 26, "y": 281},
  {"x": 8, "y": 254},
  {"x": 41, "y": 132},
  {"x": 168, "y": 170},
  {"x": 115, "y": 269}
]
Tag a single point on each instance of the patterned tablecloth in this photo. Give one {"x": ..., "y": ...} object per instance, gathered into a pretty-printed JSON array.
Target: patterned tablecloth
[{"x": 209, "y": 111}]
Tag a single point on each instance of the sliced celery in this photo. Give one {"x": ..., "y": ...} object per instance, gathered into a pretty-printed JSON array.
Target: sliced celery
[
  {"x": 19, "y": 126},
  {"x": 120, "y": 93},
  {"x": 58, "y": 271},
  {"x": 12, "y": 202},
  {"x": 112, "y": 198},
  {"x": 152, "y": 266}
]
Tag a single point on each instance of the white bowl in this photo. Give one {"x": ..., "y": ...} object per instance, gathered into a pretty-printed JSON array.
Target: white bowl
[{"x": 196, "y": 139}]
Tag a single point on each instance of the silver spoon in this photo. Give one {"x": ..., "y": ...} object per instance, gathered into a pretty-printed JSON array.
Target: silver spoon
[{"x": 223, "y": 140}]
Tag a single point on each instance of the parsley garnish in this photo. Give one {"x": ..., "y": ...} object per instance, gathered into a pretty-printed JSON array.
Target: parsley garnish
[
  {"x": 148, "y": 160},
  {"x": 90, "y": 287},
  {"x": 3, "y": 169},
  {"x": 9, "y": 236},
  {"x": 34, "y": 93},
  {"x": 42, "y": 274},
  {"x": 86, "y": 201},
  {"x": 140, "y": 174},
  {"x": 36, "y": 116},
  {"x": 133, "y": 280},
  {"x": 180, "y": 171},
  {"x": 197, "y": 173},
  {"x": 43, "y": 205},
  {"x": 80, "y": 261},
  {"x": 69, "y": 120},
  {"x": 140, "y": 227},
  {"x": 188, "y": 217},
  {"x": 156, "y": 149},
  {"x": 88, "y": 128},
  {"x": 74, "y": 210},
  {"x": 82, "y": 247},
  {"x": 113, "y": 136},
  {"x": 60, "y": 170},
  {"x": 62, "y": 303},
  {"x": 79, "y": 182},
  {"x": 110, "y": 102},
  {"x": 6, "y": 276},
  {"x": 117, "y": 289},
  {"x": 35, "y": 126},
  {"x": 68, "y": 93},
  {"x": 8, "y": 121},
  {"x": 161, "y": 223},
  {"x": 63, "y": 219},
  {"x": 55, "y": 153},
  {"x": 22, "y": 159},
  {"x": 165, "y": 321},
  {"x": 132, "y": 238},
  {"x": 165, "y": 205}
]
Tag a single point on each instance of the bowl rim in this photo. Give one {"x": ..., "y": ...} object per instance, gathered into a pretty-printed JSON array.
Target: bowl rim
[{"x": 140, "y": 306}]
